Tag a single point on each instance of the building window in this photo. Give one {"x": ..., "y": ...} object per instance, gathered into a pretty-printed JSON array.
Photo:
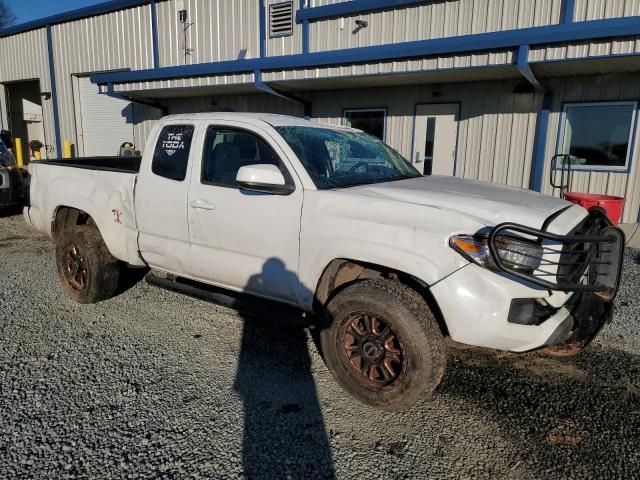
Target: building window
[
  {"x": 598, "y": 136},
  {"x": 372, "y": 121}
]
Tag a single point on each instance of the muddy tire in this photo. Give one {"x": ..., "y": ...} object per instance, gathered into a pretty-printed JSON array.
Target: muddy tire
[
  {"x": 383, "y": 345},
  {"x": 87, "y": 271}
]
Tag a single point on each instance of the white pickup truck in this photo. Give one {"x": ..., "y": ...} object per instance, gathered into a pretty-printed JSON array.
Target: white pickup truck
[{"x": 336, "y": 224}]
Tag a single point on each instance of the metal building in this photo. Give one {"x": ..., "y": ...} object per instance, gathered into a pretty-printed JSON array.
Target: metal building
[{"x": 481, "y": 89}]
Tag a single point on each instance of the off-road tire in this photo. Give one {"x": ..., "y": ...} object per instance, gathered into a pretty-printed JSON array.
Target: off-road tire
[
  {"x": 417, "y": 335},
  {"x": 99, "y": 272}
]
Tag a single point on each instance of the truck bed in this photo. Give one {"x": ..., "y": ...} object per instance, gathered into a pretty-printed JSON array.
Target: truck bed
[
  {"x": 108, "y": 164},
  {"x": 101, "y": 187}
]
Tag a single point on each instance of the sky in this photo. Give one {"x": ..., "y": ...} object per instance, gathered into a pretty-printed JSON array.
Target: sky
[{"x": 27, "y": 10}]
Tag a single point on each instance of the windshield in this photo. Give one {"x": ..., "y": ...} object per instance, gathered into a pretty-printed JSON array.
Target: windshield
[{"x": 337, "y": 159}]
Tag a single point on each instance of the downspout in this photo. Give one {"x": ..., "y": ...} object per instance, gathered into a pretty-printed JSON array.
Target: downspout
[
  {"x": 54, "y": 93},
  {"x": 264, "y": 87},
  {"x": 542, "y": 120},
  {"x": 154, "y": 34},
  {"x": 110, "y": 92}
]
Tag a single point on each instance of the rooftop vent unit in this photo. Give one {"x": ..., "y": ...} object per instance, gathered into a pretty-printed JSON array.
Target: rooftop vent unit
[{"x": 281, "y": 19}]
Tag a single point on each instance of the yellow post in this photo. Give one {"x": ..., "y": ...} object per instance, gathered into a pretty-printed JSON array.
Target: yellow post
[
  {"x": 17, "y": 143},
  {"x": 66, "y": 150}
]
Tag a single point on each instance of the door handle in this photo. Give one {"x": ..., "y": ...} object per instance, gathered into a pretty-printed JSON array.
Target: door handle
[{"x": 202, "y": 204}]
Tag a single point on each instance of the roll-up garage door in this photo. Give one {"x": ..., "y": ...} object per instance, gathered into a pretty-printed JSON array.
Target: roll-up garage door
[{"x": 105, "y": 122}]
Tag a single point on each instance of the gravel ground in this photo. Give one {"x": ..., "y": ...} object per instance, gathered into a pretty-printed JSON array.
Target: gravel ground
[{"x": 154, "y": 384}]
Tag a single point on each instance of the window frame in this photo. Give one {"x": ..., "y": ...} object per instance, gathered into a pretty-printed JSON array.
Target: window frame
[
  {"x": 155, "y": 146},
  {"x": 562, "y": 126},
  {"x": 384, "y": 110},
  {"x": 288, "y": 179}
]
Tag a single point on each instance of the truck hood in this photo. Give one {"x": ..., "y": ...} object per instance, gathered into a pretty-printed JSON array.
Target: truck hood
[{"x": 488, "y": 203}]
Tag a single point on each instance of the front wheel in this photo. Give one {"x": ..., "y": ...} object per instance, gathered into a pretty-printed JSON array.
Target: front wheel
[
  {"x": 87, "y": 271},
  {"x": 382, "y": 344}
]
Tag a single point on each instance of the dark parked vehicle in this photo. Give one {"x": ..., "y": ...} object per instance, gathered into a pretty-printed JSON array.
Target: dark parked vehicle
[{"x": 12, "y": 191}]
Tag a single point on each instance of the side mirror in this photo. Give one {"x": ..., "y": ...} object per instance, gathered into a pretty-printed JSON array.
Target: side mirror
[{"x": 263, "y": 178}]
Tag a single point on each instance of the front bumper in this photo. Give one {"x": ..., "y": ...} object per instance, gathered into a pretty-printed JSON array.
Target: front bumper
[{"x": 476, "y": 302}]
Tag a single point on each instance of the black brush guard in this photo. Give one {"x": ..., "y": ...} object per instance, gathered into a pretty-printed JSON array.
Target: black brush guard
[{"x": 589, "y": 259}]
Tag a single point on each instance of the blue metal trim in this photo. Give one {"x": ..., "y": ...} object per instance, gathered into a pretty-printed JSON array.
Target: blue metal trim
[
  {"x": 99, "y": 9},
  {"x": 305, "y": 28},
  {"x": 263, "y": 29},
  {"x": 351, "y": 7},
  {"x": 54, "y": 93},
  {"x": 595, "y": 29},
  {"x": 154, "y": 34},
  {"x": 305, "y": 36},
  {"x": 568, "y": 11},
  {"x": 540, "y": 142},
  {"x": 525, "y": 68}
]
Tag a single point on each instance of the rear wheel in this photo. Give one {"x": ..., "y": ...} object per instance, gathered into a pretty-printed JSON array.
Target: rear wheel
[
  {"x": 87, "y": 271},
  {"x": 382, "y": 344}
]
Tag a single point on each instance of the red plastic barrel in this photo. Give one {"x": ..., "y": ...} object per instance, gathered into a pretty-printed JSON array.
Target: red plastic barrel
[{"x": 612, "y": 205}]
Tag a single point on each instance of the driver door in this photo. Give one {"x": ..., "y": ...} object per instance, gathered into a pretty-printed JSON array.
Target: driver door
[{"x": 243, "y": 240}]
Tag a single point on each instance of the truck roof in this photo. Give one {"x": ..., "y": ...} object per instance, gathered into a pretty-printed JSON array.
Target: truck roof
[{"x": 269, "y": 118}]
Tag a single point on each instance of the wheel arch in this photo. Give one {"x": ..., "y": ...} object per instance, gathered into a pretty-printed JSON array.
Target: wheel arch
[
  {"x": 66, "y": 216},
  {"x": 342, "y": 272}
]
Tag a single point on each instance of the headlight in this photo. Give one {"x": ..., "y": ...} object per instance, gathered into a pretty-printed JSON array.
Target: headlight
[{"x": 514, "y": 253}]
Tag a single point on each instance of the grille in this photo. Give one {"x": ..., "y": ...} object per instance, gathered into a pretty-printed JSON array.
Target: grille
[
  {"x": 587, "y": 259},
  {"x": 281, "y": 19}
]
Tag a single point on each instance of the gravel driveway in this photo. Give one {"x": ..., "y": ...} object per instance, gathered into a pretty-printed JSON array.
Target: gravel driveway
[{"x": 153, "y": 384}]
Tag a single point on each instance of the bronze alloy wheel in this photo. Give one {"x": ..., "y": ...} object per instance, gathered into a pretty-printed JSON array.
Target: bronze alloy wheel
[
  {"x": 373, "y": 349},
  {"x": 76, "y": 271}
]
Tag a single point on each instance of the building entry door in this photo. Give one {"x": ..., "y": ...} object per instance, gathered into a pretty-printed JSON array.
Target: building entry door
[{"x": 435, "y": 138}]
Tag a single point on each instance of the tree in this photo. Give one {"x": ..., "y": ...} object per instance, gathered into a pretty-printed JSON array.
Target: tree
[{"x": 6, "y": 16}]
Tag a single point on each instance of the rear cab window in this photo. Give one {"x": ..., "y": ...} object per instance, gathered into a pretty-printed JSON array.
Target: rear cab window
[{"x": 171, "y": 155}]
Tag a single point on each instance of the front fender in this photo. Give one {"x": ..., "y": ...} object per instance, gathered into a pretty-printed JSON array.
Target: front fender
[{"x": 412, "y": 239}]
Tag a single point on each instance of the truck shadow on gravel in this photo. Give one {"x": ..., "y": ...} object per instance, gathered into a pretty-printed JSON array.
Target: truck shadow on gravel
[
  {"x": 573, "y": 417},
  {"x": 284, "y": 431}
]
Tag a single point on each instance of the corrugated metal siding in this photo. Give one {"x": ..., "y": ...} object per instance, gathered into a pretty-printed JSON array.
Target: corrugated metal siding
[
  {"x": 433, "y": 20},
  {"x": 24, "y": 57},
  {"x": 600, "y": 9},
  {"x": 496, "y": 127},
  {"x": 590, "y": 89},
  {"x": 600, "y": 48},
  {"x": 288, "y": 45},
  {"x": 113, "y": 41},
  {"x": 219, "y": 80},
  {"x": 144, "y": 120},
  {"x": 321, "y": 3},
  {"x": 503, "y": 57},
  {"x": 221, "y": 30},
  {"x": 261, "y": 103}
]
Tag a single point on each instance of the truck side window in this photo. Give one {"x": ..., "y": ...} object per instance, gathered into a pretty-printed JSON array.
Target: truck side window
[
  {"x": 227, "y": 150},
  {"x": 171, "y": 155}
]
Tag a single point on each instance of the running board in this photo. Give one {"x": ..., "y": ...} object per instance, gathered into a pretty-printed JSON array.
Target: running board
[{"x": 259, "y": 308}]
